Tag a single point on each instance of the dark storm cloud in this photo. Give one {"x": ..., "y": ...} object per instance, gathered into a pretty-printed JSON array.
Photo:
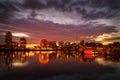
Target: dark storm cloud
[
  {"x": 90, "y": 9},
  {"x": 87, "y": 30},
  {"x": 95, "y": 9},
  {"x": 7, "y": 27},
  {"x": 9, "y": 5},
  {"x": 33, "y": 4},
  {"x": 114, "y": 4},
  {"x": 62, "y": 16}
]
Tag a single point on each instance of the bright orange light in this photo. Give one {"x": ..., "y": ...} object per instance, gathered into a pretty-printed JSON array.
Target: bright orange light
[
  {"x": 106, "y": 43},
  {"x": 43, "y": 58},
  {"x": 88, "y": 52},
  {"x": 31, "y": 45},
  {"x": 31, "y": 53}
]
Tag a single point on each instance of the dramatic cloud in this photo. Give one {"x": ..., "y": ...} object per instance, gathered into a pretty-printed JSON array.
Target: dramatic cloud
[
  {"x": 90, "y": 20},
  {"x": 109, "y": 37}
]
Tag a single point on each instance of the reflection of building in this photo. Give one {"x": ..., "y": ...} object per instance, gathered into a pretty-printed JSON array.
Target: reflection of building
[
  {"x": 44, "y": 58},
  {"x": 87, "y": 58},
  {"x": 22, "y": 43},
  {"x": 8, "y": 60},
  {"x": 23, "y": 57},
  {"x": 86, "y": 54}
]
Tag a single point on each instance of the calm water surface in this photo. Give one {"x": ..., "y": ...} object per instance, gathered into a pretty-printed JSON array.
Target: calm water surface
[{"x": 58, "y": 66}]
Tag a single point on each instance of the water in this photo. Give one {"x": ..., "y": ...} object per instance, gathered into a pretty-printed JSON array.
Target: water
[{"x": 51, "y": 65}]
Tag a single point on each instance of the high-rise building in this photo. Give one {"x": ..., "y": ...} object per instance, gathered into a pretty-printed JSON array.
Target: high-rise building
[
  {"x": 22, "y": 43},
  {"x": 8, "y": 38},
  {"x": 14, "y": 45}
]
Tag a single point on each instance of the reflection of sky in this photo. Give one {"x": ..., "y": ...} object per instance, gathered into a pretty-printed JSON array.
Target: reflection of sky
[
  {"x": 110, "y": 76},
  {"x": 107, "y": 62},
  {"x": 63, "y": 68}
]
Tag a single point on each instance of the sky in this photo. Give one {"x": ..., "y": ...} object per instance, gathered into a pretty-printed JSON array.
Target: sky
[{"x": 61, "y": 20}]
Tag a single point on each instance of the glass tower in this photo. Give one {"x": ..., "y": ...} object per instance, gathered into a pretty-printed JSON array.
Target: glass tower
[{"x": 8, "y": 38}]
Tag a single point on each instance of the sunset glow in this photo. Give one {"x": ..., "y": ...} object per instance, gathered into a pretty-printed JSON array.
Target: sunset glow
[
  {"x": 71, "y": 20},
  {"x": 20, "y": 35},
  {"x": 59, "y": 39}
]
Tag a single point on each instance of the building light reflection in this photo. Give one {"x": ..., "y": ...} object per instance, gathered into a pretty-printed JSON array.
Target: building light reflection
[
  {"x": 102, "y": 61},
  {"x": 43, "y": 58},
  {"x": 19, "y": 64}
]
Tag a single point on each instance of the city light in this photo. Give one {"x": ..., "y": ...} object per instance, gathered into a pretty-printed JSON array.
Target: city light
[{"x": 59, "y": 39}]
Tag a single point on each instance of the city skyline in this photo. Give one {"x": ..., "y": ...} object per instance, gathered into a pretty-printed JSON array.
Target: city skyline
[{"x": 60, "y": 20}]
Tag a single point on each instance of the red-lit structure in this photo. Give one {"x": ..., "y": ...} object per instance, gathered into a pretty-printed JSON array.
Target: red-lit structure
[{"x": 44, "y": 43}]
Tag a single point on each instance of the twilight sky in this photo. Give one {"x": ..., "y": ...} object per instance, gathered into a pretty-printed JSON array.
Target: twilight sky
[{"x": 61, "y": 20}]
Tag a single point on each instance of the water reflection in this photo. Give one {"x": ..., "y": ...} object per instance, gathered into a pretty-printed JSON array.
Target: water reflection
[
  {"x": 44, "y": 58},
  {"x": 19, "y": 59},
  {"x": 10, "y": 59},
  {"x": 65, "y": 65}
]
